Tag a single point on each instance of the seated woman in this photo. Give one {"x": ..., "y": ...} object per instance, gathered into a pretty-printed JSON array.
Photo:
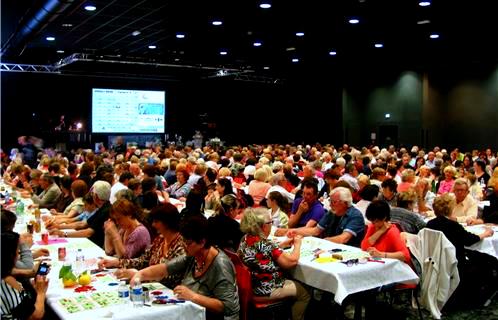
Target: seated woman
[
  {"x": 267, "y": 261},
  {"x": 225, "y": 230},
  {"x": 277, "y": 206},
  {"x": 180, "y": 189},
  {"x": 258, "y": 188},
  {"x": 383, "y": 239},
  {"x": 65, "y": 198},
  {"x": 78, "y": 189},
  {"x": 132, "y": 237},
  {"x": 449, "y": 179},
  {"x": 165, "y": 247},
  {"x": 19, "y": 302},
  {"x": 470, "y": 262},
  {"x": 78, "y": 222},
  {"x": 208, "y": 274},
  {"x": 25, "y": 265}
]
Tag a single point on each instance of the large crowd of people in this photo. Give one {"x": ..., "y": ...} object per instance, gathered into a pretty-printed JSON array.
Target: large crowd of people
[{"x": 364, "y": 197}]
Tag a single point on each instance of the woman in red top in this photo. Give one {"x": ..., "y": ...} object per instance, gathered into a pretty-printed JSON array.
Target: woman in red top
[{"x": 383, "y": 239}]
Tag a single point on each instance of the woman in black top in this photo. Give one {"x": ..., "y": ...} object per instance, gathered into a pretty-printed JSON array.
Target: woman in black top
[{"x": 470, "y": 263}]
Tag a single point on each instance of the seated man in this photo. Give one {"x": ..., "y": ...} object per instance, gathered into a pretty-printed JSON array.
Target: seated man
[
  {"x": 345, "y": 224},
  {"x": 465, "y": 208},
  {"x": 307, "y": 211},
  {"x": 101, "y": 193}
]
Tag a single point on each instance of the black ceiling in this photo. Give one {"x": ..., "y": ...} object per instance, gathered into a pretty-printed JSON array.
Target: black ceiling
[{"x": 467, "y": 32}]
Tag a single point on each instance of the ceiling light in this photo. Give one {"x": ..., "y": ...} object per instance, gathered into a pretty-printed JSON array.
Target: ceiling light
[
  {"x": 265, "y": 5},
  {"x": 290, "y": 49},
  {"x": 67, "y": 25},
  {"x": 423, "y": 21},
  {"x": 332, "y": 53},
  {"x": 299, "y": 34},
  {"x": 295, "y": 60},
  {"x": 180, "y": 35},
  {"x": 152, "y": 47},
  {"x": 354, "y": 21},
  {"x": 90, "y": 7},
  {"x": 266, "y": 68},
  {"x": 424, "y": 3},
  {"x": 176, "y": 59},
  {"x": 50, "y": 38},
  {"x": 217, "y": 23},
  {"x": 434, "y": 36},
  {"x": 257, "y": 44},
  {"x": 60, "y": 51},
  {"x": 379, "y": 45},
  {"x": 387, "y": 115},
  {"x": 223, "y": 53},
  {"x": 135, "y": 33}
]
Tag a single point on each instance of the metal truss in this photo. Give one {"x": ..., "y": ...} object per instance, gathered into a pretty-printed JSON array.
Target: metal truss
[{"x": 35, "y": 68}]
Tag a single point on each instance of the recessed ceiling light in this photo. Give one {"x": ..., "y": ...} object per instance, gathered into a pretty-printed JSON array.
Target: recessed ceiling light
[
  {"x": 434, "y": 36},
  {"x": 354, "y": 21},
  {"x": 135, "y": 33},
  {"x": 265, "y": 5},
  {"x": 379, "y": 45},
  {"x": 60, "y": 51},
  {"x": 290, "y": 49},
  {"x": 223, "y": 53},
  {"x": 67, "y": 25},
  {"x": 295, "y": 60},
  {"x": 424, "y": 3},
  {"x": 176, "y": 59},
  {"x": 423, "y": 21},
  {"x": 180, "y": 35},
  {"x": 266, "y": 68},
  {"x": 152, "y": 47},
  {"x": 333, "y": 53},
  {"x": 257, "y": 44},
  {"x": 90, "y": 7},
  {"x": 217, "y": 23},
  {"x": 50, "y": 38},
  {"x": 299, "y": 34}
]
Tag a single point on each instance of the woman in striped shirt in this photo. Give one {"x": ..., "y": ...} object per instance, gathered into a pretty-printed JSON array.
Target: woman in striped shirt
[{"x": 18, "y": 303}]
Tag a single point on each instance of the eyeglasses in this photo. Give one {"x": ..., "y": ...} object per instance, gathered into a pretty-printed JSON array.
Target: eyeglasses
[
  {"x": 352, "y": 262},
  {"x": 268, "y": 222}
]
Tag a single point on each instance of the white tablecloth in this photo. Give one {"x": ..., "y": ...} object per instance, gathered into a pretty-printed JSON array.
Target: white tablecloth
[
  {"x": 92, "y": 252},
  {"x": 343, "y": 280},
  {"x": 487, "y": 245}
]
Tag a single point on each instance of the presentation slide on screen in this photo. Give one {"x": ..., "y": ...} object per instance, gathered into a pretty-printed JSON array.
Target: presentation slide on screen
[{"x": 127, "y": 111}]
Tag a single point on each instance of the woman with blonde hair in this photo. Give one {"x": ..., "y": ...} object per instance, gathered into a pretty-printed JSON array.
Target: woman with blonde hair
[
  {"x": 267, "y": 260},
  {"x": 449, "y": 179},
  {"x": 258, "y": 188}
]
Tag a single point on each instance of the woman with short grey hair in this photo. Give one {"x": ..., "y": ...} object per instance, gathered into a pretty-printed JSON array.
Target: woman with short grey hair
[{"x": 266, "y": 260}]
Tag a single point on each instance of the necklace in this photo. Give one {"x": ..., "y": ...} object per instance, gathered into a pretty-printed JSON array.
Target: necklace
[{"x": 199, "y": 267}]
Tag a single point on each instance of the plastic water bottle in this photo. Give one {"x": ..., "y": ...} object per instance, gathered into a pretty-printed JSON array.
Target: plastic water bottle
[
  {"x": 123, "y": 291},
  {"x": 19, "y": 207},
  {"x": 80, "y": 261},
  {"x": 137, "y": 294},
  {"x": 7, "y": 197}
]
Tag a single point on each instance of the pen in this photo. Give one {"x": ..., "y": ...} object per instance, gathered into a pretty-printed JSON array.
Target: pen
[{"x": 376, "y": 260}]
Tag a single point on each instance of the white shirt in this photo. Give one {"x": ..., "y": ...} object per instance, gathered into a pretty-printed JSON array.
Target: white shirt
[
  {"x": 289, "y": 196},
  {"x": 114, "y": 189}
]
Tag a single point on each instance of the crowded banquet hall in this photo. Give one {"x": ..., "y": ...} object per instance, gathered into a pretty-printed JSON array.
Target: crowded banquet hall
[{"x": 154, "y": 164}]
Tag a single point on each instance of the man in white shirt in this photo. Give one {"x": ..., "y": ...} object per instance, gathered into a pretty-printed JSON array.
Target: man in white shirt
[
  {"x": 466, "y": 207},
  {"x": 120, "y": 185}
]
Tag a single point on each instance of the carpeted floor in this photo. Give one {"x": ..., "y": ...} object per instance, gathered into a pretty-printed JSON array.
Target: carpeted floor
[{"x": 401, "y": 310}]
